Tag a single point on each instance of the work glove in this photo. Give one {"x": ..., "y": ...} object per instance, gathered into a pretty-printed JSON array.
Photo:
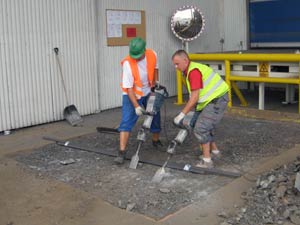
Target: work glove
[
  {"x": 139, "y": 111},
  {"x": 178, "y": 120}
]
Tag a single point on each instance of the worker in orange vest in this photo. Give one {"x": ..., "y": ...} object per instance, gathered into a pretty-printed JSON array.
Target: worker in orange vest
[{"x": 140, "y": 74}]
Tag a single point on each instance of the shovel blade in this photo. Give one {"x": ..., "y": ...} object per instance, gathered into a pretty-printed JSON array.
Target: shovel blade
[
  {"x": 72, "y": 115},
  {"x": 134, "y": 161},
  {"x": 159, "y": 175}
]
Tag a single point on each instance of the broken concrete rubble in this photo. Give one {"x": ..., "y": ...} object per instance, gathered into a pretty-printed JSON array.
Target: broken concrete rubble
[{"x": 274, "y": 199}]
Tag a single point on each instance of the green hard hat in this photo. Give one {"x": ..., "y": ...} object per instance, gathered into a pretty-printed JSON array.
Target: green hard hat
[{"x": 137, "y": 47}]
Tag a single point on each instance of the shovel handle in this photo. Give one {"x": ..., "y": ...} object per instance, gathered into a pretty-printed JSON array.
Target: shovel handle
[
  {"x": 61, "y": 73},
  {"x": 56, "y": 50},
  {"x": 56, "y": 140}
]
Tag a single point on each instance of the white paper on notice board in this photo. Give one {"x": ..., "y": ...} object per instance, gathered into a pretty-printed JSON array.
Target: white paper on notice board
[{"x": 115, "y": 19}]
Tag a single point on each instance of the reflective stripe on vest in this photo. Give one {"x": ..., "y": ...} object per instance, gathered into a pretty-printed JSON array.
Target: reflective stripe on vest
[
  {"x": 212, "y": 90},
  {"x": 213, "y": 85},
  {"x": 151, "y": 63}
]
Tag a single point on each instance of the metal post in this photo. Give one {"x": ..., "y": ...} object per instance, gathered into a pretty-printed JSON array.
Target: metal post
[
  {"x": 292, "y": 94},
  {"x": 179, "y": 79},
  {"x": 185, "y": 46},
  {"x": 298, "y": 98},
  {"x": 287, "y": 94},
  {"x": 179, "y": 87},
  {"x": 261, "y": 101},
  {"x": 227, "y": 79},
  {"x": 299, "y": 89}
]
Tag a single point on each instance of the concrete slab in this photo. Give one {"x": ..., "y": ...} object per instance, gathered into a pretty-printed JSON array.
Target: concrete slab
[{"x": 29, "y": 199}]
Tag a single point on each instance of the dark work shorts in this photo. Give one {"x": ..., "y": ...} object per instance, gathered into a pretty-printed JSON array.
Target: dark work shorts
[{"x": 209, "y": 117}]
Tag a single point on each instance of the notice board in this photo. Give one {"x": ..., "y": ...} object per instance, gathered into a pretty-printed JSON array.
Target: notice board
[{"x": 124, "y": 25}]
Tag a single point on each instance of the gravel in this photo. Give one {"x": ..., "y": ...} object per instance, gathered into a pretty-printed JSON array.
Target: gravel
[
  {"x": 243, "y": 142},
  {"x": 274, "y": 199}
]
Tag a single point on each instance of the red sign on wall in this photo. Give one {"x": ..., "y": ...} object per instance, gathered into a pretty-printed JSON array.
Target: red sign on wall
[{"x": 131, "y": 32}]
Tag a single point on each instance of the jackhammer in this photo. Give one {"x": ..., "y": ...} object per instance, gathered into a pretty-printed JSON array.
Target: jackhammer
[
  {"x": 182, "y": 134},
  {"x": 154, "y": 103},
  {"x": 185, "y": 127}
]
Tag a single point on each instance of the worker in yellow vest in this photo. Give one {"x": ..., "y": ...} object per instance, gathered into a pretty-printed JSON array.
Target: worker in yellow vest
[
  {"x": 139, "y": 75},
  {"x": 209, "y": 97}
]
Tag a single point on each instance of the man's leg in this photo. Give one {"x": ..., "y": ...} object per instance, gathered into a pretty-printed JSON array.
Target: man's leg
[
  {"x": 155, "y": 136},
  {"x": 214, "y": 149},
  {"x": 202, "y": 131},
  {"x": 124, "y": 136},
  {"x": 213, "y": 146},
  {"x": 155, "y": 130},
  {"x": 155, "y": 125},
  {"x": 205, "y": 161},
  {"x": 221, "y": 106},
  {"x": 129, "y": 119},
  {"x": 155, "y": 140},
  {"x": 206, "y": 150},
  {"x": 205, "y": 125}
]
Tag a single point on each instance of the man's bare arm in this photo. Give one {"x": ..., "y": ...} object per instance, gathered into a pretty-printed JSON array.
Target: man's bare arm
[
  {"x": 191, "y": 102},
  {"x": 132, "y": 97}
]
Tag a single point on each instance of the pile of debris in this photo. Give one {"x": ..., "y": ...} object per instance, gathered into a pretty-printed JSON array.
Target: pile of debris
[{"x": 274, "y": 200}]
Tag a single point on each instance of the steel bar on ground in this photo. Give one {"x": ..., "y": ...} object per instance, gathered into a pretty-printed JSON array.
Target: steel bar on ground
[{"x": 171, "y": 165}]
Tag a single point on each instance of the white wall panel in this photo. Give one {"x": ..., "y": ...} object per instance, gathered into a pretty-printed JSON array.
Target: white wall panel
[
  {"x": 4, "y": 98},
  {"x": 158, "y": 36},
  {"x": 209, "y": 39},
  {"x": 224, "y": 19},
  {"x": 73, "y": 32},
  {"x": 235, "y": 25},
  {"x": 31, "y": 89}
]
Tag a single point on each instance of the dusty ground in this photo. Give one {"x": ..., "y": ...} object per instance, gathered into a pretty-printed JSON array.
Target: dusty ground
[{"x": 244, "y": 143}]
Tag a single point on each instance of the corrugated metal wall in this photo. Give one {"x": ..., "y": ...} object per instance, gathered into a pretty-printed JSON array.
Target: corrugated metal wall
[
  {"x": 160, "y": 38},
  {"x": 235, "y": 25},
  {"x": 224, "y": 19},
  {"x": 31, "y": 89}
]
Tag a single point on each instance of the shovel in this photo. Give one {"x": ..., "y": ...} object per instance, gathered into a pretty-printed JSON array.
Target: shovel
[{"x": 70, "y": 112}]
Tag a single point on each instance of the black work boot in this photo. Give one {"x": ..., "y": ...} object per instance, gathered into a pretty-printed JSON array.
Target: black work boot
[
  {"x": 120, "y": 157},
  {"x": 156, "y": 143}
]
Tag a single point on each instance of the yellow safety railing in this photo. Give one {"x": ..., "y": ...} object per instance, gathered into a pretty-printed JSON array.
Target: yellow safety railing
[{"x": 231, "y": 79}]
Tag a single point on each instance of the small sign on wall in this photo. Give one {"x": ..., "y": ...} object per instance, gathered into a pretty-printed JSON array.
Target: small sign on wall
[
  {"x": 263, "y": 69},
  {"x": 124, "y": 25}
]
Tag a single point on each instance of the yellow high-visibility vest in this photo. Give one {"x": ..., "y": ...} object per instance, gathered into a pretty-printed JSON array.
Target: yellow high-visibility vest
[{"x": 213, "y": 84}]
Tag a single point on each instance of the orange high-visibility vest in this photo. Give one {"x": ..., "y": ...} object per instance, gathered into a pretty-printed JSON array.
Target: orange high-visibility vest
[{"x": 151, "y": 63}]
